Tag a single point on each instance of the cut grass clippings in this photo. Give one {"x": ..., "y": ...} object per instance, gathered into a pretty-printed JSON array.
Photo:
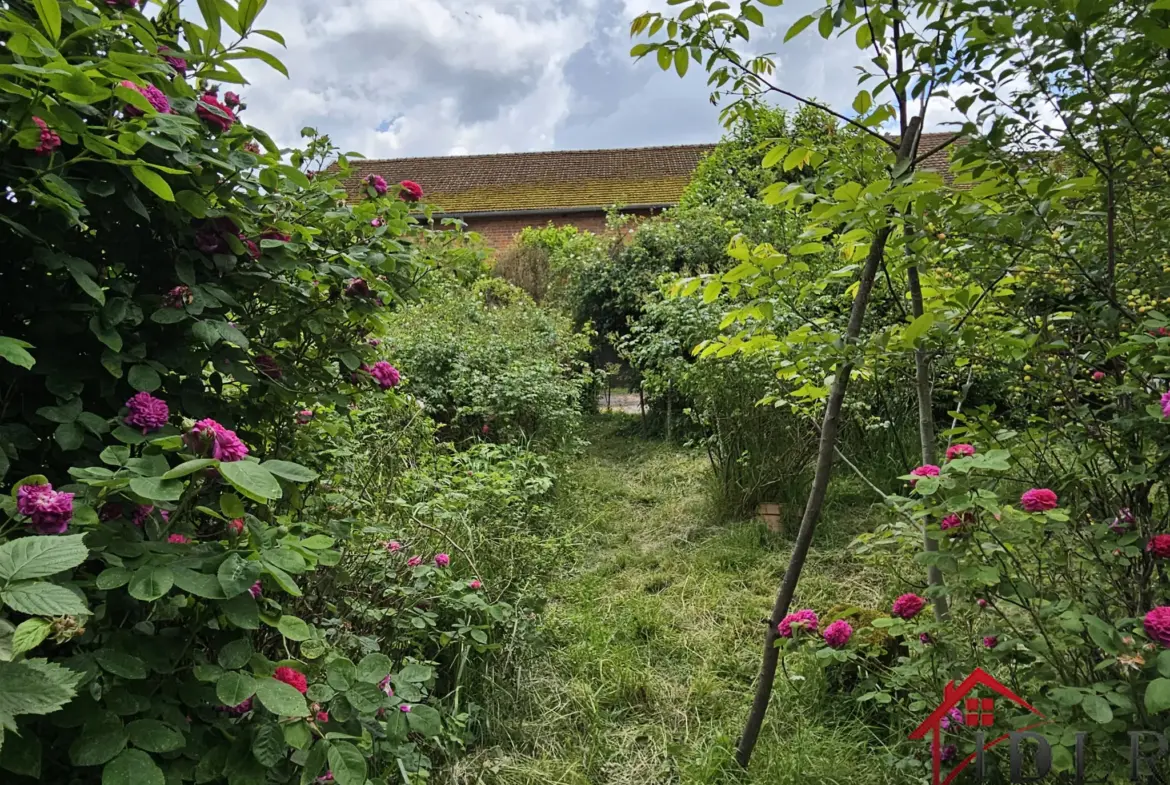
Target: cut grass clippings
[{"x": 651, "y": 640}]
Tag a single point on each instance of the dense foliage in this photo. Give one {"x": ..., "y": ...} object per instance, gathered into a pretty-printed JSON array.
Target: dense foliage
[{"x": 195, "y": 589}]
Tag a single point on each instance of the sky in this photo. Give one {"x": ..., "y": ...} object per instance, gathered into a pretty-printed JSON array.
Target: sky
[{"x": 399, "y": 78}]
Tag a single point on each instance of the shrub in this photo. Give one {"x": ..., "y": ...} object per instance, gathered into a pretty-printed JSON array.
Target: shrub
[
  {"x": 489, "y": 364},
  {"x": 526, "y": 267},
  {"x": 182, "y": 342}
]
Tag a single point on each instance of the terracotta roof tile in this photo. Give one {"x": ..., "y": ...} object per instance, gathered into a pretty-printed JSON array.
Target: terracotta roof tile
[{"x": 468, "y": 184}]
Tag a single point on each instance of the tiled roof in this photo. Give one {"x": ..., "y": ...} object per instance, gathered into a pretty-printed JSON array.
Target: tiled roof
[{"x": 549, "y": 181}]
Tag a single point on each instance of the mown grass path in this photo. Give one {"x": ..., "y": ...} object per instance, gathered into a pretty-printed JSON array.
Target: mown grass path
[{"x": 652, "y": 640}]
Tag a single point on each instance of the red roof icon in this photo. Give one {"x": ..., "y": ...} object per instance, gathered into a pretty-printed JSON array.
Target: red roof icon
[{"x": 952, "y": 696}]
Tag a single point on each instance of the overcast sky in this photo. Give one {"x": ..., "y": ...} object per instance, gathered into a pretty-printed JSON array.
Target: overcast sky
[{"x": 394, "y": 78}]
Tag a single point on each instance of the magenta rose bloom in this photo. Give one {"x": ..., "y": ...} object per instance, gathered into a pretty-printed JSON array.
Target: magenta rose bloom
[
  {"x": 414, "y": 561},
  {"x": 1157, "y": 624},
  {"x": 49, "y": 510},
  {"x": 239, "y": 709},
  {"x": 268, "y": 367},
  {"x": 49, "y": 140},
  {"x": 179, "y": 297},
  {"x": 215, "y": 113},
  {"x": 385, "y": 374},
  {"x": 838, "y": 634},
  {"x": 908, "y": 606},
  {"x": 410, "y": 191},
  {"x": 174, "y": 61},
  {"x": 358, "y": 287},
  {"x": 1159, "y": 546},
  {"x": 1038, "y": 500},
  {"x": 378, "y": 183},
  {"x": 990, "y": 641},
  {"x": 147, "y": 412},
  {"x": 952, "y": 521},
  {"x": 805, "y": 619},
  {"x": 442, "y": 560},
  {"x": 960, "y": 451},
  {"x": 928, "y": 470},
  {"x": 231, "y": 99},
  {"x": 952, "y": 717},
  {"x": 256, "y": 590},
  {"x": 156, "y": 97},
  {"x": 223, "y": 444}
]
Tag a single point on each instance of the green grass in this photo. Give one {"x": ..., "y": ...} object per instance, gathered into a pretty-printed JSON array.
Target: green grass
[{"x": 652, "y": 639}]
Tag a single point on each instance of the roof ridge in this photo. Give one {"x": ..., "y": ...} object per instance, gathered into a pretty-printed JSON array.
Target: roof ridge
[{"x": 695, "y": 146}]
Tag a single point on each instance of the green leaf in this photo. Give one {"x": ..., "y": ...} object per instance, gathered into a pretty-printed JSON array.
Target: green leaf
[
  {"x": 231, "y": 506},
  {"x": 49, "y": 13},
  {"x": 157, "y": 489},
  {"x": 298, "y": 735},
  {"x": 1097, "y": 709},
  {"x": 113, "y": 578},
  {"x": 682, "y": 59},
  {"x": 1164, "y": 663},
  {"x": 1157, "y": 696},
  {"x": 374, "y": 667},
  {"x": 798, "y": 27},
  {"x": 14, "y": 352},
  {"x": 188, "y": 467},
  {"x": 268, "y": 745},
  {"x": 1067, "y": 696},
  {"x": 101, "y": 739},
  {"x": 66, "y": 412},
  {"x": 133, "y": 767},
  {"x": 340, "y": 673},
  {"x": 151, "y": 582},
  {"x": 425, "y": 720},
  {"x": 242, "y": 611},
  {"x": 198, "y": 583},
  {"x": 290, "y": 471},
  {"x": 366, "y": 698},
  {"x": 144, "y": 378},
  {"x": 23, "y": 758},
  {"x": 283, "y": 579},
  {"x": 68, "y": 436},
  {"x": 347, "y": 764},
  {"x": 154, "y": 181},
  {"x": 36, "y": 557},
  {"x": 38, "y": 598},
  {"x": 193, "y": 202},
  {"x": 234, "y": 687},
  {"x": 35, "y": 687},
  {"x": 237, "y": 575},
  {"x": 282, "y": 699},
  {"x": 251, "y": 479},
  {"x": 155, "y": 736},
  {"x": 318, "y": 542},
  {"x": 917, "y": 328},
  {"x": 120, "y": 663},
  {"x": 29, "y": 634},
  {"x": 235, "y": 654},
  {"x": 294, "y": 629},
  {"x": 415, "y": 674},
  {"x": 78, "y": 269},
  {"x": 315, "y": 763}
]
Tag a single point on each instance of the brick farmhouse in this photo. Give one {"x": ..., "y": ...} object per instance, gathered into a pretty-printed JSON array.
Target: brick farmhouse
[{"x": 498, "y": 195}]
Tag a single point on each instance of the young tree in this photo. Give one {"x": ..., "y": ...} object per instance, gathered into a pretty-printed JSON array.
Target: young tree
[{"x": 867, "y": 221}]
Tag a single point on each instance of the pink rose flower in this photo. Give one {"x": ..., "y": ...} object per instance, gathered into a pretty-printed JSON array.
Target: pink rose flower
[
  {"x": 927, "y": 470},
  {"x": 908, "y": 606},
  {"x": 179, "y": 539},
  {"x": 378, "y": 183},
  {"x": 1157, "y": 625},
  {"x": 442, "y": 560},
  {"x": 414, "y": 561},
  {"x": 215, "y": 113},
  {"x": 838, "y": 633},
  {"x": 960, "y": 451},
  {"x": 1159, "y": 546},
  {"x": 1038, "y": 500},
  {"x": 805, "y": 619},
  {"x": 49, "y": 141},
  {"x": 224, "y": 444},
  {"x": 385, "y": 374},
  {"x": 147, "y": 412},
  {"x": 50, "y": 511},
  {"x": 156, "y": 97},
  {"x": 475, "y": 585},
  {"x": 410, "y": 191}
]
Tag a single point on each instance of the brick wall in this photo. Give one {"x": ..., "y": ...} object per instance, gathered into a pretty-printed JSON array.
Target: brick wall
[{"x": 498, "y": 232}]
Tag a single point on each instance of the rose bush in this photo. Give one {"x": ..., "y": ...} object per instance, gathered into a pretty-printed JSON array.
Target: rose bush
[{"x": 182, "y": 342}]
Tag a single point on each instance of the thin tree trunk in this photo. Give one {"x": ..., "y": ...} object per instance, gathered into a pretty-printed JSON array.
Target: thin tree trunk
[
  {"x": 926, "y": 435},
  {"x": 824, "y": 469}
]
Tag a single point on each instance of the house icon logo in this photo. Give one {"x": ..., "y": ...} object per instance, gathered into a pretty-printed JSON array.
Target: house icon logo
[{"x": 976, "y": 711}]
